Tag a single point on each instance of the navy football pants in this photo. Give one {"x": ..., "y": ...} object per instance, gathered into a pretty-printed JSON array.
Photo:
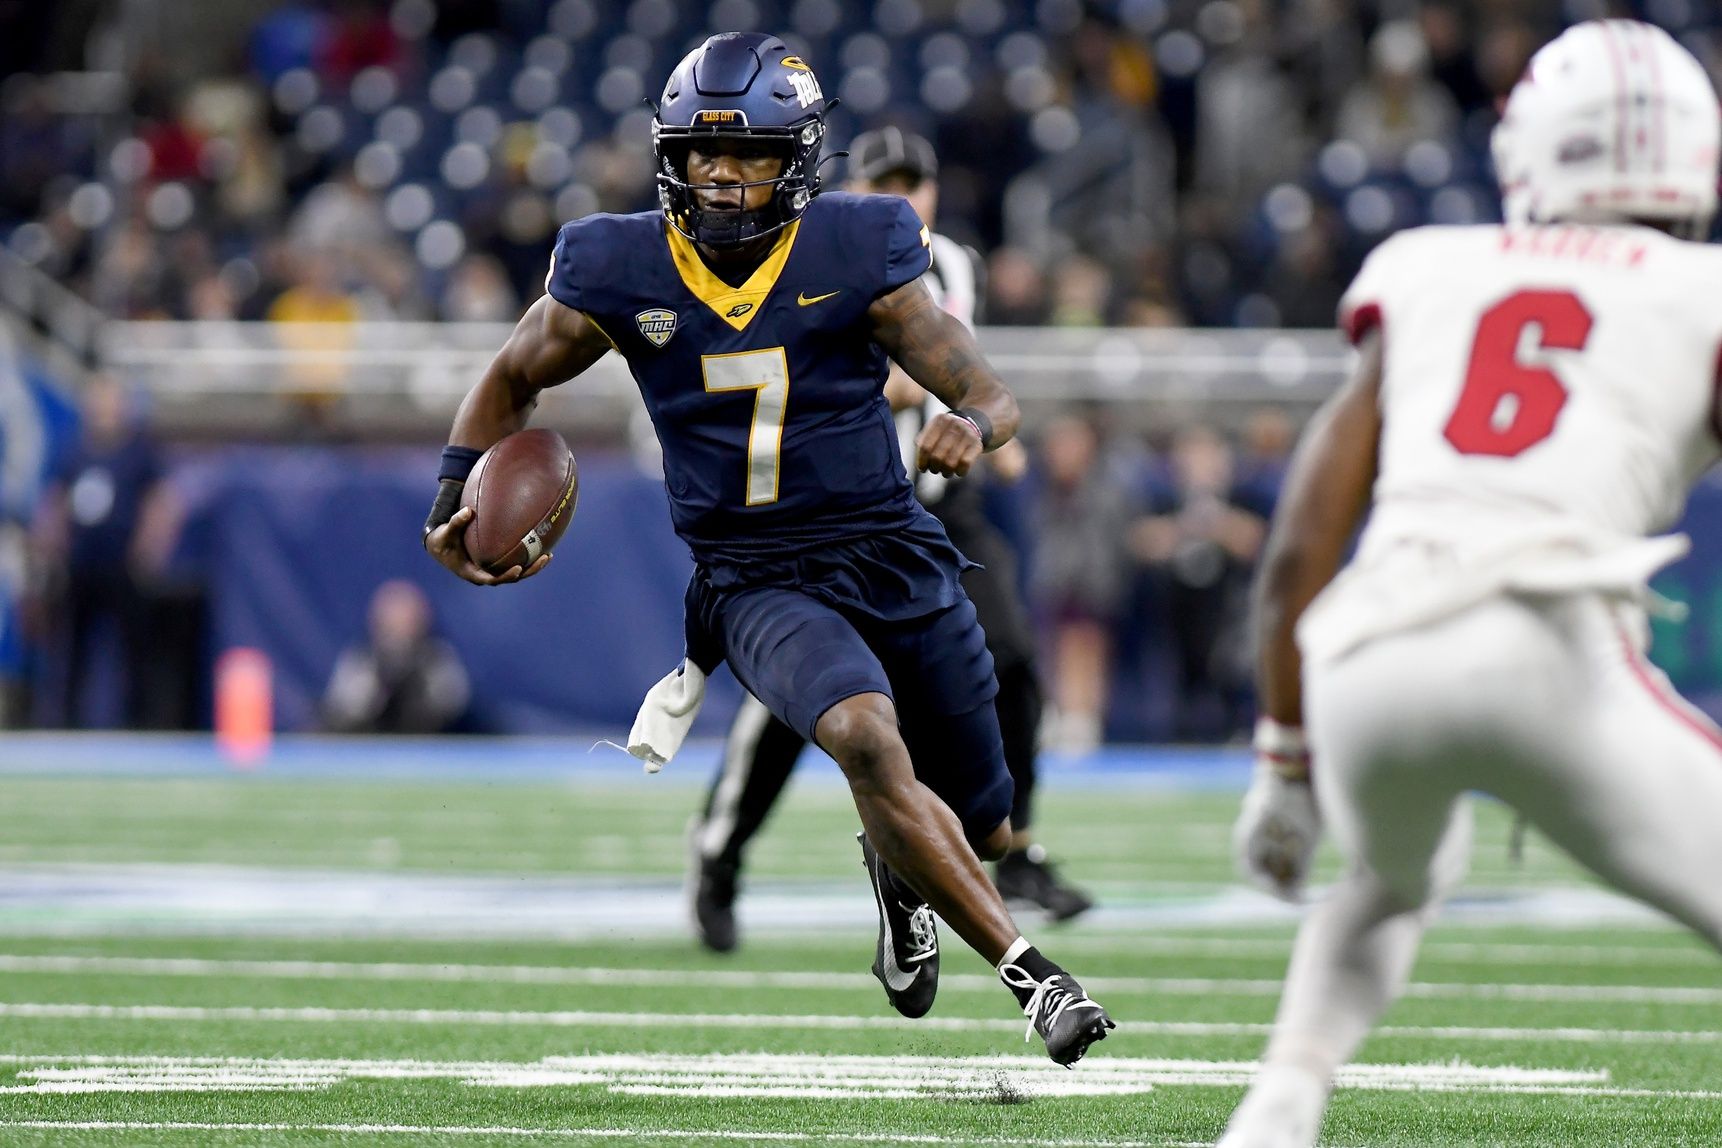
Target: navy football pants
[{"x": 800, "y": 656}]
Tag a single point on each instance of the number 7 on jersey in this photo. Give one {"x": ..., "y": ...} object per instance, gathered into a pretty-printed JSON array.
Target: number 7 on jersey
[{"x": 767, "y": 373}]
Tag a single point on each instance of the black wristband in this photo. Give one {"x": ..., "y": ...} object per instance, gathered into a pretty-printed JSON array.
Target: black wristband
[
  {"x": 447, "y": 502},
  {"x": 981, "y": 423},
  {"x": 457, "y": 462}
]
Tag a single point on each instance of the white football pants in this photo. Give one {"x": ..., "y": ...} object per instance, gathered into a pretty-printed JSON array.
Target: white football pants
[{"x": 1545, "y": 703}]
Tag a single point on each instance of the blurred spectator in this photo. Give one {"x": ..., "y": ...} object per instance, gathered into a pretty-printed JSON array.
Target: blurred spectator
[
  {"x": 340, "y": 217},
  {"x": 175, "y": 147},
  {"x": 1016, "y": 289},
  {"x": 1268, "y": 438},
  {"x": 291, "y": 36},
  {"x": 1081, "y": 290},
  {"x": 478, "y": 292},
  {"x": 1398, "y": 105},
  {"x": 403, "y": 679},
  {"x": 1203, "y": 545},
  {"x": 1506, "y": 47},
  {"x": 35, "y": 422},
  {"x": 390, "y": 285},
  {"x": 1451, "y": 62},
  {"x": 102, "y": 534},
  {"x": 315, "y": 315},
  {"x": 316, "y": 295},
  {"x": 1105, "y": 185},
  {"x": 32, "y": 145},
  {"x": 1305, "y": 279},
  {"x": 360, "y": 38},
  {"x": 1078, "y": 580},
  {"x": 239, "y": 157},
  {"x": 1249, "y": 129}
]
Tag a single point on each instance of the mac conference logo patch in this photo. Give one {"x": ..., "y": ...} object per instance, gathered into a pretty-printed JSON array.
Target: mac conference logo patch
[{"x": 657, "y": 325}]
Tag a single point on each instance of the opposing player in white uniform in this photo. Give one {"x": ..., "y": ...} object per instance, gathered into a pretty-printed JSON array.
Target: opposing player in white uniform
[{"x": 1531, "y": 406}]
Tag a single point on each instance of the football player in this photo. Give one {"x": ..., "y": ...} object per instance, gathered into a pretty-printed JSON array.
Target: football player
[
  {"x": 757, "y": 317},
  {"x": 1531, "y": 404},
  {"x": 760, "y": 751}
]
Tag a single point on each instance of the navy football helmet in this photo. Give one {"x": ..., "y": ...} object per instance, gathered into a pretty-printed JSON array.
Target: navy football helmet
[{"x": 739, "y": 85}]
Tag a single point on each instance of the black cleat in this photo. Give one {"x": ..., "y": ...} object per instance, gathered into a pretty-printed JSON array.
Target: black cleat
[
  {"x": 906, "y": 960},
  {"x": 1061, "y": 1012},
  {"x": 711, "y": 896},
  {"x": 1026, "y": 876}
]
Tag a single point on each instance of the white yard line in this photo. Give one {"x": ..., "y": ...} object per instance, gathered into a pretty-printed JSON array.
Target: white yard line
[
  {"x": 606, "y": 1135},
  {"x": 738, "y": 979},
  {"x": 804, "y": 1076},
  {"x": 785, "y": 1022}
]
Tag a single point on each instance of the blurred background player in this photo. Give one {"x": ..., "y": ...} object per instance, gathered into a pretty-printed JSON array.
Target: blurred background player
[
  {"x": 830, "y": 592},
  {"x": 760, "y": 751},
  {"x": 1533, "y": 401}
]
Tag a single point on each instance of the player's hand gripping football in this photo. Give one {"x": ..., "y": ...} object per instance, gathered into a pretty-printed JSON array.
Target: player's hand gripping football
[
  {"x": 948, "y": 445},
  {"x": 447, "y": 544},
  {"x": 1279, "y": 826}
]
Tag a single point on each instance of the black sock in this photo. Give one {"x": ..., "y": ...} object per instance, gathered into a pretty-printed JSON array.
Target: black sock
[{"x": 1035, "y": 965}]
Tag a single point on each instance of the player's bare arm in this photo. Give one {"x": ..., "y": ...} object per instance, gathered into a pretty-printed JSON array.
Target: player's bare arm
[
  {"x": 550, "y": 345},
  {"x": 939, "y": 353},
  {"x": 1326, "y": 492},
  {"x": 1325, "y": 495}
]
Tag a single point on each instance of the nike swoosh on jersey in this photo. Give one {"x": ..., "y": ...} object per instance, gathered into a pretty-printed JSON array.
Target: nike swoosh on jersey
[
  {"x": 895, "y": 978},
  {"x": 807, "y": 302}
]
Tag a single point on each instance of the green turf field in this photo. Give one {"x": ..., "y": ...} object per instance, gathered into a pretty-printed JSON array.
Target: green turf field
[{"x": 248, "y": 961}]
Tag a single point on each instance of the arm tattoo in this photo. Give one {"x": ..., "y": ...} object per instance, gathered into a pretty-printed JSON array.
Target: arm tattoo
[{"x": 931, "y": 346}]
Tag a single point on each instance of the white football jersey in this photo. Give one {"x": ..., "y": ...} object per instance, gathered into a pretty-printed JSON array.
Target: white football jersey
[{"x": 1548, "y": 397}]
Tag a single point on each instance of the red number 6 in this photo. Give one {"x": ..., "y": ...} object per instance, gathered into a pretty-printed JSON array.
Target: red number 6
[{"x": 1508, "y": 405}]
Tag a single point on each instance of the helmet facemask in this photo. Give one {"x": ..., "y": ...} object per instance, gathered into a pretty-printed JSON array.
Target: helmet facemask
[{"x": 793, "y": 187}]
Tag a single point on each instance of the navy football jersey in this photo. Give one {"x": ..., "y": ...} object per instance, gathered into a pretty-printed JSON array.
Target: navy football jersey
[{"x": 768, "y": 397}]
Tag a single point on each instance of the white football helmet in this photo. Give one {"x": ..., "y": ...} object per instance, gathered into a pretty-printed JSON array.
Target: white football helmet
[{"x": 1612, "y": 120}]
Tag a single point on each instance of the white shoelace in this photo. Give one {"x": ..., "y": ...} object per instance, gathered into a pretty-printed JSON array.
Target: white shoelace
[
  {"x": 1048, "y": 995},
  {"x": 923, "y": 933}
]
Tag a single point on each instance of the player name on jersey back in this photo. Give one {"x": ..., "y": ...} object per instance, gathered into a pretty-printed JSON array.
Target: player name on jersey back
[{"x": 1608, "y": 246}]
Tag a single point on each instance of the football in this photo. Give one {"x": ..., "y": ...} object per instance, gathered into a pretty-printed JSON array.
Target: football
[{"x": 523, "y": 492}]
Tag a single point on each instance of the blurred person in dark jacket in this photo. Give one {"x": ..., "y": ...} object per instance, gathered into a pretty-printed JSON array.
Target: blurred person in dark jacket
[
  {"x": 403, "y": 679},
  {"x": 1079, "y": 575},
  {"x": 1203, "y": 542},
  {"x": 104, "y": 531}
]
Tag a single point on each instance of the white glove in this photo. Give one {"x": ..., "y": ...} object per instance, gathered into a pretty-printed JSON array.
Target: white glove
[
  {"x": 666, "y": 715},
  {"x": 1279, "y": 826}
]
